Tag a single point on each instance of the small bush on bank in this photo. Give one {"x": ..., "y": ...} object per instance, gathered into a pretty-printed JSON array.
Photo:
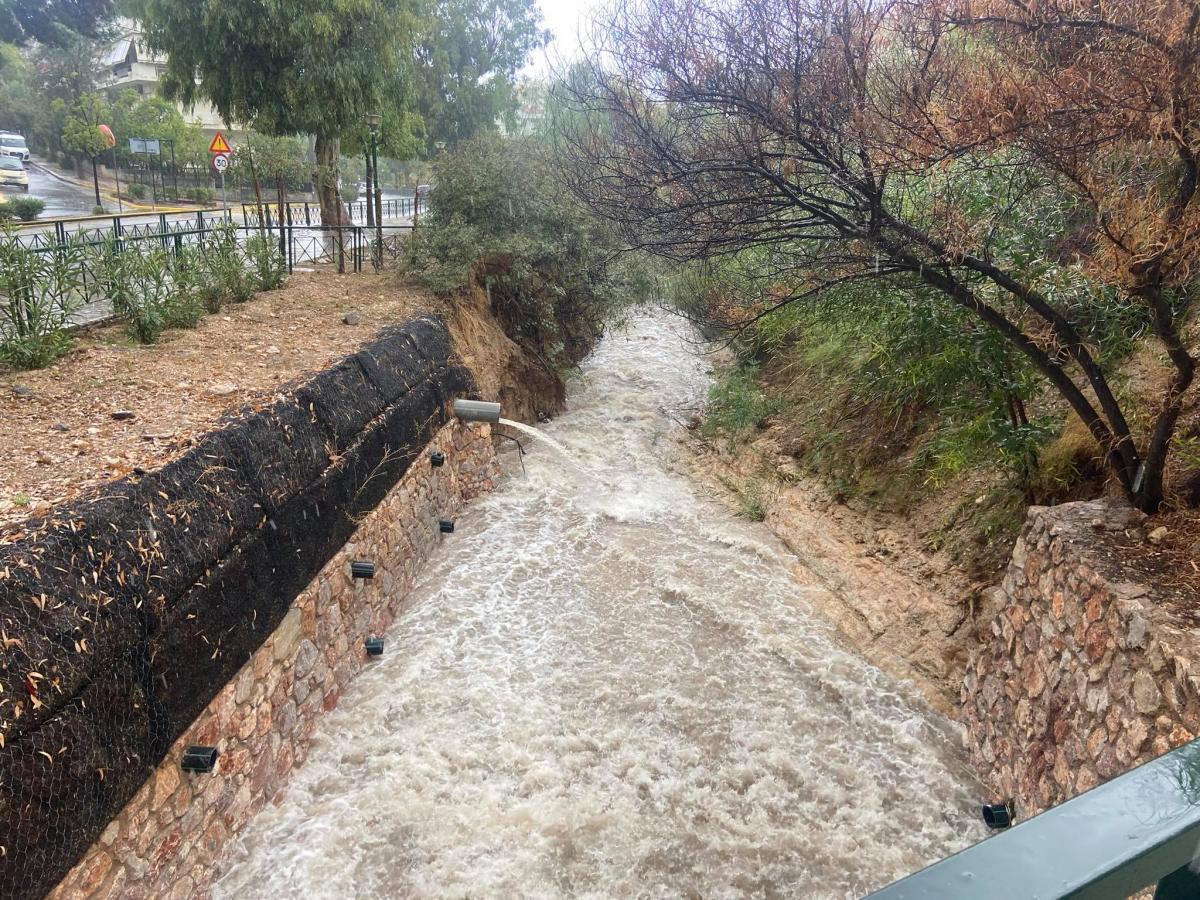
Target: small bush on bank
[
  {"x": 266, "y": 262},
  {"x": 137, "y": 191},
  {"x": 498, "y": 217},
  {"x": 737, "y": 405},
  {"x": 750, "y": 498},
  {"x": 201, "y": 194},
  {"x": 39, "y": 293}
]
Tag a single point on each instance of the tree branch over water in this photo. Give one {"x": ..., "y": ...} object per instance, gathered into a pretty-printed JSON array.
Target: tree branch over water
[{"x": 918, "y": 142}]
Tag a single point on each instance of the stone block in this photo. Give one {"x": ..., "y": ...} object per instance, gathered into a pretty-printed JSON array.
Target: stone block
[
  {"x": 1147, "y": 698},
  {"x": 287, "y": 636}
]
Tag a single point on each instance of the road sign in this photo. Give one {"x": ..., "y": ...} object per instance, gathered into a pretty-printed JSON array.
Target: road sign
[
  {"x": 220, "y": 162},
  {"x": 137, "y": 145},
  {"x": 219, "y": 144}
]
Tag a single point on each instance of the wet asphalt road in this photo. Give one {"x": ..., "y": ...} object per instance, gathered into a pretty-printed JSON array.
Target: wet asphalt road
[{"x": 61, "y": 198}]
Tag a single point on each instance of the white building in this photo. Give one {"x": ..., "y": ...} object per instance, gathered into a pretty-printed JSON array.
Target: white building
[{"x": 128, "y": 65}]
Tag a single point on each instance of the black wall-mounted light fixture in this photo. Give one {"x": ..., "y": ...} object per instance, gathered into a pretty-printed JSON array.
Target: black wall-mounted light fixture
[
  {"x": 362, "y": 569},
  {"x": 198, "y": 759},
  {"x": 998, "y": 815},
  {"x": 437, "y": 459},
  {"x": 373, "y": 646},
  {"x": 446, "y": 526}
]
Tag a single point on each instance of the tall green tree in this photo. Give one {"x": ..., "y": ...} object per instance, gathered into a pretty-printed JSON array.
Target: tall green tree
[
  {"x": 286, "y": 66},
  {"x": 53, "y": 22},
  {"x": 82, "y": 133},
  {"x": 466, "y": 65}
]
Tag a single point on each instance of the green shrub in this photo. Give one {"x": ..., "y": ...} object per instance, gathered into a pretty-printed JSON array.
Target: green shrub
[
  {"x": 151, "y": 288},
  {"x": 185, "y": 308},
  {"x": 267, "y": 263},
  {"x": 500, "y": 218},
  {"x": 201, "y": 194},
  {"x": 26, "y": 209},
  {"x": 737, "y": 405},
  {"x": 39, "y": 293},
  {"x": 139, "y": 282},
  {"x": 137, "y": 191}
]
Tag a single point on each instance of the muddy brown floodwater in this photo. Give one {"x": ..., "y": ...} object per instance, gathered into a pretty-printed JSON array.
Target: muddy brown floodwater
[{"x": 605, "y": 685}]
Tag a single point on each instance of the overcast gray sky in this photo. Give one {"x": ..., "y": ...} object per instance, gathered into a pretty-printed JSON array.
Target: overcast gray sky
[{"x": 563, "y": 18}]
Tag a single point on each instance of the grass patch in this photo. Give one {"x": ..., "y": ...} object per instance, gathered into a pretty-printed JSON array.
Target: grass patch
[
  {"x": 737, "y": 406},
  {"x": 750, "y": 498}
]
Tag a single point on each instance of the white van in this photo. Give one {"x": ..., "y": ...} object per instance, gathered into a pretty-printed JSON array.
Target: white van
[{"x": 13, "y": 145}]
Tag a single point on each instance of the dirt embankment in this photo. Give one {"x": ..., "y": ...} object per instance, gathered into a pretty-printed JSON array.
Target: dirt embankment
[
  {"x": 908, "y": 609},
  {"x": 113, "y": 408},
  {"x": 899, "y": 589}
]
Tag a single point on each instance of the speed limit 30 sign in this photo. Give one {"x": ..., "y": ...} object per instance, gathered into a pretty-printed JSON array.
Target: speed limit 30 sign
[{"x": 220, "y": 162}]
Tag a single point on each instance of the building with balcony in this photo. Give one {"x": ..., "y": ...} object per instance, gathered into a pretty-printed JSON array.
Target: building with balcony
[{"x": 127, "y": 64}]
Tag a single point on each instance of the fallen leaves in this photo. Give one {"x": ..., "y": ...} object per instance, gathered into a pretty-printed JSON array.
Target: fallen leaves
[{"x": 63, "y": 439}]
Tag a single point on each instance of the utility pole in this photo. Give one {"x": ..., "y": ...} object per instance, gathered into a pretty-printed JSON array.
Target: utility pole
[{"x": 369, "y": 200}]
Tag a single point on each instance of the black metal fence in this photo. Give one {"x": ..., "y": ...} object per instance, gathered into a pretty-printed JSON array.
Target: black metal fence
[
  {"x": 76, "y": 276},
  {"x": 353, "y": 247}
]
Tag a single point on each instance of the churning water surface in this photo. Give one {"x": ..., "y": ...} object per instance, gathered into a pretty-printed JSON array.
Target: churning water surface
[{"x": 605, "y": 685}]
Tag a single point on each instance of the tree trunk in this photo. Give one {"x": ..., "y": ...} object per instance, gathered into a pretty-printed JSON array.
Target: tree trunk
[
  {"x": 333, "y": 212},
  {"x": 96, "y": 181},
  {"x": 284, "y": 236},
  {"x": 262, "y": 219}
]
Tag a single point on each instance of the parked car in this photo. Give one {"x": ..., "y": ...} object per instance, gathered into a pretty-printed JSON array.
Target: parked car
[
  {"x": 12, "y": 174},
  {"x": 13, "y": 145}
]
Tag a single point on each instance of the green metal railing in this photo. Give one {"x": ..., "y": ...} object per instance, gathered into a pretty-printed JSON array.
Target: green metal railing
[{"x": 1137, "y": 830}]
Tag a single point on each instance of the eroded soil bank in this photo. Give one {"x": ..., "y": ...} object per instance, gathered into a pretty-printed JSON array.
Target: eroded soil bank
[{"x": 911, "y": 611}]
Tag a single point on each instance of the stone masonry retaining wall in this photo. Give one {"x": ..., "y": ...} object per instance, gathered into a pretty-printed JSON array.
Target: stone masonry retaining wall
[
  {"x": 1086, "y": 674},
  {"x": 166, "y": 841}
]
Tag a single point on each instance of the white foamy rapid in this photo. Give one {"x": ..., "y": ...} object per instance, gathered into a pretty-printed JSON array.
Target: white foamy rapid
[{"x": 610, "y": 687}]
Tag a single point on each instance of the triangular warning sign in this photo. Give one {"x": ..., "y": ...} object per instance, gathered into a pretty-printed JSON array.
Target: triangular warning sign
[{"x": 219, "y": 144}]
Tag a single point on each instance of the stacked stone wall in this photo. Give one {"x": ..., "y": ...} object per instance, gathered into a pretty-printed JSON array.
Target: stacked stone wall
[
  {"x": 167, "y": 839},
  {"x": 1085, "y": 672}
]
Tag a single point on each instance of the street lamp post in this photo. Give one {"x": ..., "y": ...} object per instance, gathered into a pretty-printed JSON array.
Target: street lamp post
[
  {"x": 374, "y": 191},
  {"x": 369, "y": 200},
  {"x": 375, "y": 196}
]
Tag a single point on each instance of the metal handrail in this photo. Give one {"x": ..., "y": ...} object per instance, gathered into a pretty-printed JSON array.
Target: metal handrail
[
  {"x": 309, "y": 213},
  {"x": 1139, "y": 829}
]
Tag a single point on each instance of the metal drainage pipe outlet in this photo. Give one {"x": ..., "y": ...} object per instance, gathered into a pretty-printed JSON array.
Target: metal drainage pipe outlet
[{"x": 477, "y": 411}]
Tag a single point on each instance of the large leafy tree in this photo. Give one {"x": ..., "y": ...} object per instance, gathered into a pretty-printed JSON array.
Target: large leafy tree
[
  {"x": 467, "y": 64},
  {"x": 52, "y": 22},
  {"x": 285, "y": 66},
  {"x": 39, "y": 86}
]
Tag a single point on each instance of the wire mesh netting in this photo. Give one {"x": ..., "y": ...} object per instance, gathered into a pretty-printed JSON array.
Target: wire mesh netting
[{"x": 124, "y": 613}]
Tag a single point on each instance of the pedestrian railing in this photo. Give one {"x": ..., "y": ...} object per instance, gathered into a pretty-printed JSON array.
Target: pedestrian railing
[
  {"x": 309, "y": 214},
  {"x": 349, "y": 247},
  {"x": 1138, "y": 830}
]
